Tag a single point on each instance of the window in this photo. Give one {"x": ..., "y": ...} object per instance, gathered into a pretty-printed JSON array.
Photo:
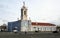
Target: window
[
  {"x": 24, "y": 12},
  {"x": 34, "y": 28}
]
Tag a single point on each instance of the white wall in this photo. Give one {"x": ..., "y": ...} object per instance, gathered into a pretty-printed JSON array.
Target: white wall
[
  {"x": 43, "y": 28},
  {"x": 24, "y": 29}
]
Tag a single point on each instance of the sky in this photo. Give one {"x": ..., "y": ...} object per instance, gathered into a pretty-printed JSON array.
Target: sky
[{"x": 38, "y": 10}]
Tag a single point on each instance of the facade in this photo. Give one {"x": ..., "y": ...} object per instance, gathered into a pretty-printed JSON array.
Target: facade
[
  {"x": 24, "y": 24},
  {"x": 36, "y": 26},
  {"x": 14, "y": 26}
]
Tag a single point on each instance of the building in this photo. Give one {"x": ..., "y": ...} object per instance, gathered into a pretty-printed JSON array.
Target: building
[
  {"x": 3, "y": 28},
  {"x": 26, "y": 25},
  {"x": 13, "y": 25},
  {"x": 36, "y": 26}
]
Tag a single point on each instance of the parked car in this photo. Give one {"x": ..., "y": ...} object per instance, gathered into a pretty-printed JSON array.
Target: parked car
[
  {"x": 55, "y": 31},
  {"x": 15, "y": 31}
]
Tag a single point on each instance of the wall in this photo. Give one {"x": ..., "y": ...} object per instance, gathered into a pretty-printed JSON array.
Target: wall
[
  {"x": 12, "y": 25},
  {"x": 25, "y": 25},
  {"x": 43, "y": 28}
]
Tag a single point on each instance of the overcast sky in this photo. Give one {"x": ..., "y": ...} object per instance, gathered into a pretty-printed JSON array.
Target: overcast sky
[{"x": 38, "y": 10}]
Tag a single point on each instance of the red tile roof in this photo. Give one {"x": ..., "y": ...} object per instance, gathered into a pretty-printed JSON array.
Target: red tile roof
[{"x": 42, "y": 24}]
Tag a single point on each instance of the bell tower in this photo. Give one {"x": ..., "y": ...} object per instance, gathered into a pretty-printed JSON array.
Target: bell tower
[
  {"x": 25, "y": 24},
  {"x": 23, "y": 12}
]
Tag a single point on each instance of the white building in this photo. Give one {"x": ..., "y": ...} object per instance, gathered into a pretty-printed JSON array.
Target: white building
[
  {"x": 27, "y": 25},
  {"x": 36, "y": 26}
]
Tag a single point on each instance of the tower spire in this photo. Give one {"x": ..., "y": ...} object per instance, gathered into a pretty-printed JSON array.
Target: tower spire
[{"x": 23, "y": 3}]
